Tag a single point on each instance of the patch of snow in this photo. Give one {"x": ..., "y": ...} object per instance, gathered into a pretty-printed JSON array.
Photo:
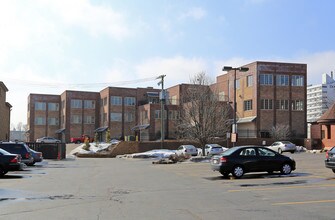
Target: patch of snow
[
  {"x": 92, "y": 150},
  {"x": 160, "y": 153}
]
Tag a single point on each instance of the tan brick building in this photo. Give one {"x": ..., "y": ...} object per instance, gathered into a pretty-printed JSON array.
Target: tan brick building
[
  {"x": 5, "y": 109},
  {"x": 267, "y": 95}
]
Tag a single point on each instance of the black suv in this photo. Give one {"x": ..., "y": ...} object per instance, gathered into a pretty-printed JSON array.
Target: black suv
[{"x": 18, "y": 148}]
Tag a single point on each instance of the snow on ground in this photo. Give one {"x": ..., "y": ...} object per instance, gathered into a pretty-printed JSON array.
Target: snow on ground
[
  {"x": 158, "y": 153},
  {"x": 93, "y": 148}
]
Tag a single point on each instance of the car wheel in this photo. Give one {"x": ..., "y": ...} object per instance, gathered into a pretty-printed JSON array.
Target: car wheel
[
  {"x": 238, "y": 171},
  {"x": 78, "y": 142},
  {"x": 286, "y": 169},
  {"x": 280, "y": 151},
  {"x": 292, "y": 152},
  {"x": 333, "y": 170}
]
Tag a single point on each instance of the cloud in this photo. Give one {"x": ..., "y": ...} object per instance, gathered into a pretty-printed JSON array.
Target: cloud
[
  {"x": 195, "y": 13},
  {"x": 96, "y": 19}
]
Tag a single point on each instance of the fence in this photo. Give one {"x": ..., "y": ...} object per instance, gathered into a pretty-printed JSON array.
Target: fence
[{"x": 49, "y": 150}]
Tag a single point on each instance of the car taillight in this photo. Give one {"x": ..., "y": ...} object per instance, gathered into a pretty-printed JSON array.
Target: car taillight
[
  {"x": 223, "y": 159},
  {"x": 15, "y": 160},
  {"x": 27, "y": 155},
  {"x": 327, "y": 155}
]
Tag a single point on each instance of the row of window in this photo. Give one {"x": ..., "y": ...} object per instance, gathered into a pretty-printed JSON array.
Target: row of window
[
  {"x": 281, "y": 80},
  {"x": 42, "y": 106},
  {"x": 267, "y": 104},
  {"x": 75, "y": 119},
  {"x": 117, "y": 100}
]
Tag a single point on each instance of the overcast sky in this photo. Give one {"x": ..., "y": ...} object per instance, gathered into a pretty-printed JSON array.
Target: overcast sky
[{"x": 49, "y": 46}]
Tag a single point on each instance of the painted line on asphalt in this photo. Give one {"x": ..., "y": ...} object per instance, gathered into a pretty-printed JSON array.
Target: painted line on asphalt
[
  {"x": 304, "y": 202},
  {"x": 280, "y": 188}
]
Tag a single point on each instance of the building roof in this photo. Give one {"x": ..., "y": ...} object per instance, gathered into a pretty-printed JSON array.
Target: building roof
[
  {"x": 328, "y": 116},
  {"x": 3, "y": 86}
]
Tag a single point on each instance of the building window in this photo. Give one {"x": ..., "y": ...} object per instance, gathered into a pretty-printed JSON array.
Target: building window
[
  {"x": 53, "y": 121},
  {"x": 238, "y": 84},
  {"x": 247, "y": 105},
  {"x": 40, "y": 106},
  {"x": 76, "y": 103},
  {"x": 298, "y": 105},
  {"x": 266, "y": 104},
  {"x": 129, "y": 117},
  {"x": 116, "y": 100},
  {"x": 53, "y": 107},
  {"x": 222, "y": 96},
  {"x": 75, "y": 119},
  {"x": 297, "y": 80},
  {"x": 158, "y": 114},
  {"x": 174, "y": 100},
  {"x": 39, "y": 121},
  {"x": 282, "y": 80},
  {"x": 282, "y": 104},
  {"x": 249, "y": 81},
  {"x": 89, "y": 104},
  {"x": 89, "y": 119},
  {"x": 129, "y": 100},
  {"x": 116, "y": 116},
  {"x": 265, "y": 79},
  {"x": 173, "y": 115}
]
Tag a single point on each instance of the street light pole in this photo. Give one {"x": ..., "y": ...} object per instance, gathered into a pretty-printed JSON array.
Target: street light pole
[
  {"x": 234, "y": 126},
  {"x": 162, "y": 99}
]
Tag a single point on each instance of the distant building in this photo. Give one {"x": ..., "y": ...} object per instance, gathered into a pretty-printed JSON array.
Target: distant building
[
  {"x": 5, "y": 109},
  {"x": 320, "y": 97}
]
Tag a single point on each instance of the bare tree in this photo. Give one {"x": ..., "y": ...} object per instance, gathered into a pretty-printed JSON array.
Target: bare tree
[
  {"x": 202, "y": 115},
  {"x": 280, "y": 132}
]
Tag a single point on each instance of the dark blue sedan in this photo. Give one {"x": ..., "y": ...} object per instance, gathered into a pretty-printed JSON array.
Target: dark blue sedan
[{"x": 244, "y": 159}]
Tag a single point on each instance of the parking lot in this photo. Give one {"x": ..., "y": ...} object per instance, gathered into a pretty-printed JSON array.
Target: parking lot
[{"x": 137, "y": 189}]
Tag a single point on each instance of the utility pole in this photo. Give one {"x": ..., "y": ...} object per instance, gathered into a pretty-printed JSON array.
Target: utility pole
[{"x": 162, "y": 99}]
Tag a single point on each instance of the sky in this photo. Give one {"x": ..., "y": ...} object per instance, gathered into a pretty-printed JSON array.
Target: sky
[{"x": 49, "y": 46}]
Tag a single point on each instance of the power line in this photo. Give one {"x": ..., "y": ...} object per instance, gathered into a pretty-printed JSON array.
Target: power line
[{"x": 69, "y": 85}]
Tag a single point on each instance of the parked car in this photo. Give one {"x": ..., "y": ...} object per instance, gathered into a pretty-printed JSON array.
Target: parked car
[
  {"x": 187, "y": 150},
  {"x": 283, "y": 146},
  {"x": 213, "y": 149},
  {"x": 37, "y": 156},
  {"x": 81, "y": 139},
  {"x": 18, "y": 148},
  {"x": 47, "y": 140},
  {"x": 244, "y": 159},
  {"x": 330, "y": 159},
  {"x": 9, "y": 162}
]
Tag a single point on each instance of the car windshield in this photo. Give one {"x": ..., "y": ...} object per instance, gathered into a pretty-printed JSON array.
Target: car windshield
[{"x": 286, "y": 142}]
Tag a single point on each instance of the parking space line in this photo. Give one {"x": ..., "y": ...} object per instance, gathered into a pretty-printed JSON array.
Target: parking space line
[
  {"x": 279, "y": 188},
  {"x": 304, "y": 202}
]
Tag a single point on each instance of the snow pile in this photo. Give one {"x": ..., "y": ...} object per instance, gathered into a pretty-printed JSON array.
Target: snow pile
[
  {"x": 161, "y": 153},
  {"x": 92, "y": 150}
]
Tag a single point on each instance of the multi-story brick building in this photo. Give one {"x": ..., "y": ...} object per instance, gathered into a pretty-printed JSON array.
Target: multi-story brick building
[
  {"x": 5, "y": 108},
  {"x": 74, "y": 113},
  {"x": 269, "y": 94}
]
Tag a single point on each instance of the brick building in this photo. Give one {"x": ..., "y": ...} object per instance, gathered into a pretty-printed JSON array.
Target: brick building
[
  {"x": 73, "y": 113},
  {"x": 5, "y": 109},
  {"x": 267, "y": 95}
]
